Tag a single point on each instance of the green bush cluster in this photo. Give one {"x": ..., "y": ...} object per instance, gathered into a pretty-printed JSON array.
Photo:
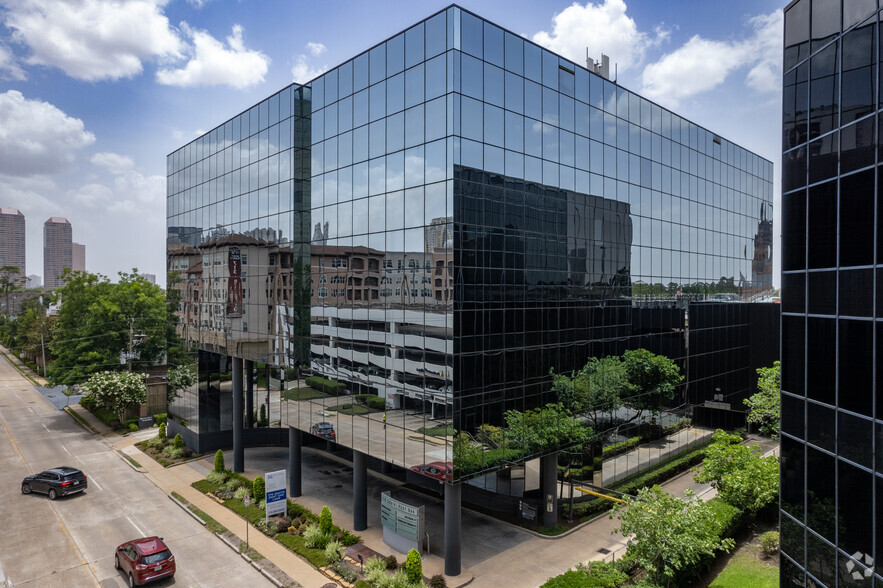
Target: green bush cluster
[
  {"x": 769, "y": 542},
  {"x": 219, "y": 461},
  {"x": 372, "y": 401},
  {"x": 160, "y": 418},
  {"x": 258, "y": 488},
  {"x": 179, "y": 441},
  {"x": 161, "y": 434},
  {"x": 325, "y": 521},
  {"x": 597, "y": 574},
  {"x": 325, "y": 385},
  {"x": 622, "y": 447},
  {"x": 414, "y": 566}
]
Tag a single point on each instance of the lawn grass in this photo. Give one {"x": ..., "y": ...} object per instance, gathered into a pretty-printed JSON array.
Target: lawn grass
[
  {"x": 132, "y": 461},
  {"x": 80, "y": 420},
  {"x": 444, "y": 431},
  {"x": 306, "y": 393},
  {"x": 296, "y": 544},
  {"x": 351, "y": 409},
  {"x": 746, "y": 570}
]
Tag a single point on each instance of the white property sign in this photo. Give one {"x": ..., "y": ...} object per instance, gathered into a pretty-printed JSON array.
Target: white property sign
[{"x": 275, "y": 492}]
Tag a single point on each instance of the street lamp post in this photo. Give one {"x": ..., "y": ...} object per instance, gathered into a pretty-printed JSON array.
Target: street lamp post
[{"x": 247, "y": 503}]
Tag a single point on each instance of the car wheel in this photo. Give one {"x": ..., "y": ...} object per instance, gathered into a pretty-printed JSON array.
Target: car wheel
[
  {"x": 131, "y": 581},
  {"x": 116, "y": 560},
  {"x": 25, "y": 488},
  {"x": 52, "y": 494}
]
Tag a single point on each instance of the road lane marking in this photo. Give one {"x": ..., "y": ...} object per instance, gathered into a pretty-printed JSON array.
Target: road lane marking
[
  {"x": 143, "y": 534},
  {"x": 65, "y": 449},
  {"x": 94, "y": 481},
  {"x": 47, "y": 429}
]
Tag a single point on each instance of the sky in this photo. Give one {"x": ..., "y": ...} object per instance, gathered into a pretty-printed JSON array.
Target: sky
[{"x": 95, "y": 93}]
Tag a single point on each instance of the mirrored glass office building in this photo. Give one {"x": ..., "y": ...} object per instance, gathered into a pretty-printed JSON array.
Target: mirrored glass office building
[
  {"x": 832, "y": 433},
  {"x": 412, "y": 240}
]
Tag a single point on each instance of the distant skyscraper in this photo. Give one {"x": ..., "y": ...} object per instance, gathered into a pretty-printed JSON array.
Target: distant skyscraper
[
  {"x": 149, "y": 277},
  {"x": 439, "y": 234},
  {"x": 57, "y": 250},
  {"x": 78, "y": 257},
  {"x": 12, "y": 239},
  {"x": 34, "y": 281}
]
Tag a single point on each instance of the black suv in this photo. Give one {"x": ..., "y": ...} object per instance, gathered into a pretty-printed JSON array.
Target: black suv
[
  {"x": 324, "y": 430},
  {"x": 56, "y": 482}
]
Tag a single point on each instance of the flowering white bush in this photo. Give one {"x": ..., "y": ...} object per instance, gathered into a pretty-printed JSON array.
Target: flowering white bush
[
  {"x": 117, "y": 391},
  {"x": 178, "y": 379}
]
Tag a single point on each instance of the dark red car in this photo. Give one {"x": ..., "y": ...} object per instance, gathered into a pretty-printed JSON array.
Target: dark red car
[
  {"x": 437, "y": 469},
  {"x": 144, "y": 560}
]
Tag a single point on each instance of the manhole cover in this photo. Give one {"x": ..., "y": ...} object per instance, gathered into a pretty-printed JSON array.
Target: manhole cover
[{"x": 604, "y": 550}]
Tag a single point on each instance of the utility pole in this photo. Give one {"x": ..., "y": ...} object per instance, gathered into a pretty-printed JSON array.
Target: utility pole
[
  {"x": 43, "y": 347},
  {"x": 131, "y": 341}
]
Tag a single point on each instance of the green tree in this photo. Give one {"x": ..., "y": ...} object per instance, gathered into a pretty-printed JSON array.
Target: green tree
[
  {"x": 763, "y": 407},
  {"x": 178, "y": 442},
  {"x": 10, "y": 280},
  {"x": 652, "y": 380},
  {"x": 414, "y": 567},
  {"x": 595, "y": 389},
  {"x": 741, "y": 476},
  {"x": 117, "y": 392},
  {"x": 325, "y": 522},
  {"x": 219, "y": 461},
  {"x": 668, "y": 535},
  {"x": 176, "y": 352},
  {"x": 544, "y": 430},
  {"x": 94, "y": 323},
  {"x": 179, "y": 379}
]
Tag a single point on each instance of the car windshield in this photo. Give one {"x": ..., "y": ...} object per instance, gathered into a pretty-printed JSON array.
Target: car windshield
[{"x": 155, "y": 557}]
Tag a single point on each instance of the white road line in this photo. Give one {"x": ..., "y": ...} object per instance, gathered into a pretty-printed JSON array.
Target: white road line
[
  {"x": 65, "y": 449},
  {"x": 47, "y": 429},
  {"x": 94, "y": 481},
  {"x": 143, "y": 534}
]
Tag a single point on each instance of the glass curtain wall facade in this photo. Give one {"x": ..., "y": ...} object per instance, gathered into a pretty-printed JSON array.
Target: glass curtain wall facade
[
  {"x": 832, "y": 433},
  {"x": 480, "y": 210}
]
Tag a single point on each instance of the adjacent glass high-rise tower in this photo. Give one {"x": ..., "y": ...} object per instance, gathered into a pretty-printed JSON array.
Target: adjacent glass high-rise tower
[{"x": 832, "y": 434}]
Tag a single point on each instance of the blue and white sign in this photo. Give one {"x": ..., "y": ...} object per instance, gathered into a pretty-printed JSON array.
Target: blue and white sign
[{"x": 274, "y": 483}]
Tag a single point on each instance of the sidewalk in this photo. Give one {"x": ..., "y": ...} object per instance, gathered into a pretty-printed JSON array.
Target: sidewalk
[{"x": 20, "y": 366}]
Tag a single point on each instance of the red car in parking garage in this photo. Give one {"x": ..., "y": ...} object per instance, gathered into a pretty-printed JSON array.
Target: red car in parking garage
[
  {"x": 144, "y": 560},
  {"x": 439, "y": 470}
]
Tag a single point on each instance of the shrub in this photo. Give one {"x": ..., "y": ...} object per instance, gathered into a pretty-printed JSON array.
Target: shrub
[
  {"x": 160, "y": 419},
  {"x": 438, "y": 581},
  {"x": 161, "y": 434},
  {"x": 258, "y": 489},
  {"x": 605, "y": 575},
  {"x": 187, "y": 452},
  {"x": 172, "y": 452},
  {"x": 262, "y": 420},
  {"x": 391, "y": 562},
  {"x": 334, "y": 551},
  {"x": 414, "y": 566},
  {"x": 375, "y": 571},
  {"x": 569, "y": 579},
  {"x": 241, "y": 492},
  {"x": 769, "y": 542},
  {"x": 133, "y": 427},
  {"x": 292, "y": 530},
  {"x": 325, "y": 522},
  {"x": 179, "y": 441},
  {"x": 216, "y": 477},
  {"x": 219, "y": 461},
  {"x": 314, "y": 538},
  {"x": 324, "y": 385}
]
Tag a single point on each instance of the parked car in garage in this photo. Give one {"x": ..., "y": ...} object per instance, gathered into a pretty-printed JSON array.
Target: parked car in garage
[
  {"x": 144, "y": 560},
  {"x": 56, "y": 482},
  {"x": 437, "y": 469},
  {"x": 324, "y": 430}
]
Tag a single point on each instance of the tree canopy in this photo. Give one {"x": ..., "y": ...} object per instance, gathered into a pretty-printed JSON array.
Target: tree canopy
[
  {"x": 94, "y": 321},
  {"x": 741, "y": 476},
  {"x": 763, "y": 407},
  {"x": 117, "y": 391},
  {"x": 668, "y": 535},
  {"x": 10, "y": 280}
]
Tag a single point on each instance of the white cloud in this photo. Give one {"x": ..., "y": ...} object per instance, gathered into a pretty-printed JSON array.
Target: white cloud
[
  {"x": 9, "y": 68},
  {"x": 213, "y": 64},
  {"x": 113, "y": 162},
  {"x": 702, "y": 64},
  {"x": 316, "y": 48},
  {"x": 36, "y": 137},
  {"x": 128, "y": 192},
  {"x": 603, "y": 28},
  {"x": 92, "y": 39},
  {"x": 303, "y": 72}
]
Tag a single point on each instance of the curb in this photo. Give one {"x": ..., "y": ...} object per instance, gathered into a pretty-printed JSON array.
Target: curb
[
  {"x": 190, "y": 512},
  {"x": 140, "y": 470}
]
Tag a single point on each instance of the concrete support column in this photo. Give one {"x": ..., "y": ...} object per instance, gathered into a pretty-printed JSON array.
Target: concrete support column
[
  {"x": 360, "y": 491},
  {"x": 238, "y": 447},
  {"x": 249, "y": 394},
  {"x": 452, "y": 529},
  {"x": 549, "y": 489},
  {"x": 294, "y": 462}
]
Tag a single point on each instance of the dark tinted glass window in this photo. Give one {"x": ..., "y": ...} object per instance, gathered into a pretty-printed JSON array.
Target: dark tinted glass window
[
  {"x": 791, "y": 540},
  {"x": 856, "y": 292},
  {"x": 792, "y": 470},
  {"x": 820, "y": 425},
  {"x": 793, "y": 339},
  {"x": 820, "y": 506},
  {"x": 793, "y": 292},
  {"x": 822, "y": 227},
  {"x": 822, "y": 290},
  {"x": 854, "y": 438},
  {"x": 855, "y": 526},
  {"x": 825, "y": 21},
  {"x": 821, "y": 558},
  {"x": 820, "y": 377},
  {"x": 857, "y": 219},
  {"x": 823, "y": 91},
  {"x": 794, "y": 231},
  {"x": 857, "y": 145},
  {"x": 855, "y": 366},
  {"x": 156, "y": 557},
  {"x": 792, "y": 415},
  {"x": 796, "y": 33}
]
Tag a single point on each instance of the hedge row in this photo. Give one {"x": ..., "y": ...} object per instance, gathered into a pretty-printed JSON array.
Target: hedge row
[
  {"x": 372, "y": 401},
  {"x": 325, "y": 385},
  {"x": 660, "y": 473}
]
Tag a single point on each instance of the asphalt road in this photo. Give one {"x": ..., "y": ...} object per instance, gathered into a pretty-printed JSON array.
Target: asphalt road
[{"x": 71, "y": 541}]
